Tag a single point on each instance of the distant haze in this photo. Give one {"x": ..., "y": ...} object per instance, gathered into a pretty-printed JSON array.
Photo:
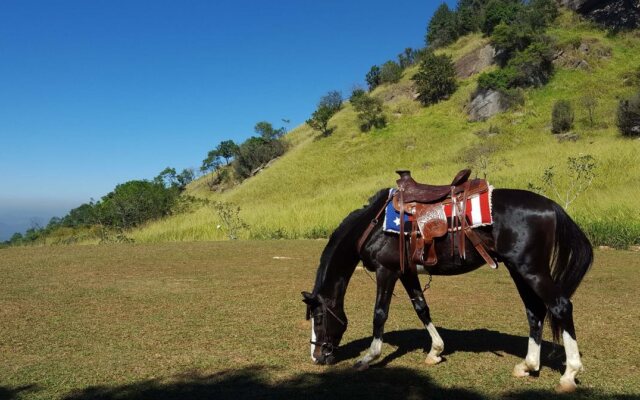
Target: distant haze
[{"x": 19, "y": 215}]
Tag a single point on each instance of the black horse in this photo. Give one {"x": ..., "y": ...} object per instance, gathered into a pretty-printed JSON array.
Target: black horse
[{"x": 545, "y": 252}]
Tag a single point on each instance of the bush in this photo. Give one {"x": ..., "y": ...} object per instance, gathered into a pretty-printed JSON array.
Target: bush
[
  {"x": 369, "y": 111},
  {"x": 391, "y": 72},
  {"x": 436, "y": 79},
  {"x": 628, "y": 118},
  {"x": 561, "y": 116}
]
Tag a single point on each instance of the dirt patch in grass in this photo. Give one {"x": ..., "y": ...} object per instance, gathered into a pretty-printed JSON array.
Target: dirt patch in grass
[{"x": 212, "y": 320}]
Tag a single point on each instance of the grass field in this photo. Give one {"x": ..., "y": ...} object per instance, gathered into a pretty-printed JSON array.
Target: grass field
[{"x": 225, "y": 319}]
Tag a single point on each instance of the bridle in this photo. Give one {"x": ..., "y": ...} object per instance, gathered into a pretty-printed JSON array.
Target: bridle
[{"x": 326, "y": 347}]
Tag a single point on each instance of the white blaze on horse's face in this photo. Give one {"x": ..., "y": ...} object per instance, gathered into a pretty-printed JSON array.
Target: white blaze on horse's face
[{"x": 313, "y": 340}]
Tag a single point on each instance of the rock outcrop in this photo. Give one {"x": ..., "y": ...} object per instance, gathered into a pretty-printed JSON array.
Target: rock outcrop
[
  {"x": 475, "y": 61},
  {"x": 614, "y": 14},
  {"x": 486, "y": 103}
]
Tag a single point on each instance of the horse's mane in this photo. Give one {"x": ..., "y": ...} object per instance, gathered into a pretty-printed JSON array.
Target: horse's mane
[{"x": 344, "y": 230}]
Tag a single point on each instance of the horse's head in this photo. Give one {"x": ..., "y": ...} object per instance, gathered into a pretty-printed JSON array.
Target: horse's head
[{"x": 328, "y": 324}]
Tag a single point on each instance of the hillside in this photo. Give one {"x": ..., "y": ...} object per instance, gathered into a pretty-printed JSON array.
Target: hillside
[{"x": 309, "y": 190}]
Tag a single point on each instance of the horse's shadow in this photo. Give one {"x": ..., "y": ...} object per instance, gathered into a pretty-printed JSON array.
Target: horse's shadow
[{"x": 474, "y": 341}]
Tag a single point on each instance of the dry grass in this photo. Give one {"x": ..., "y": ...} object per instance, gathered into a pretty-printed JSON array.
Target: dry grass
[{"x": 211, "y": 320}]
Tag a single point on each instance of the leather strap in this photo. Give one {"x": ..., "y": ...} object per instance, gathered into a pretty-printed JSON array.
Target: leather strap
[
  {"x": 479, "y": 245},
  {"x": 401, "y": 247},
  {"x": 372, "y": 224}
]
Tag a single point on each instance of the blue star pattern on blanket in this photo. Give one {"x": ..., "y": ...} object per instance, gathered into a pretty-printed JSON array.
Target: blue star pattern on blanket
[{"x": 392, "y": 219}]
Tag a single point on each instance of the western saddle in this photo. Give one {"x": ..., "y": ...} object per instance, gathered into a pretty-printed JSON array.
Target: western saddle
[{"x": 425, "y": 204}]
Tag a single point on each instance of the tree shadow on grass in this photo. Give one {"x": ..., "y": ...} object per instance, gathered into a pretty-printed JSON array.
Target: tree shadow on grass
[
  {"x": 255, "y": 383},
  {"x": 474, "y": 341}
]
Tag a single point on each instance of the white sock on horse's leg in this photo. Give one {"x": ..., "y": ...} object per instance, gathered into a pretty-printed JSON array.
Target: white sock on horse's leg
[
  {"x": 531, "y": 361},
  {"x": 374, "y": 352},
  {"x": 437, "y": 345},
  {"x": 574, "y": 364}
]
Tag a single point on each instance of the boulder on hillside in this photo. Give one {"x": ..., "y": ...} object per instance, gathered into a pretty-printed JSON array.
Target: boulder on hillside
[
  {"x": 486, "y": 103},
  {"x": 475, "y": 61},
  {"x": 613, "y": 14}
]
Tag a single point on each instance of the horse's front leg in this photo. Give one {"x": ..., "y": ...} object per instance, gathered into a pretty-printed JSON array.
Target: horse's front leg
[
  {"x": 386, "y": 280},
  {"x": 412, "y": 285}
]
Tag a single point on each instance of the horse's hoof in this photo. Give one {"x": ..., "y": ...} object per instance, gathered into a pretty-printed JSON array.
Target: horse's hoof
[
  {"x": 520, "y": 370},
  {"x": 432, "y": 360},
  {"x": 361, "y": 366},
  {"x": 566, "y": 387}
]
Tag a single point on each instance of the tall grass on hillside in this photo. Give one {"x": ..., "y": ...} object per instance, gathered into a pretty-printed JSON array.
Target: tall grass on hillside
[{"x": 320, "y": 180}]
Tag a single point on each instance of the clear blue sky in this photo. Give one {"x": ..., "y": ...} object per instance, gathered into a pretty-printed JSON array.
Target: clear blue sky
[{"x": 95, "y": 93}]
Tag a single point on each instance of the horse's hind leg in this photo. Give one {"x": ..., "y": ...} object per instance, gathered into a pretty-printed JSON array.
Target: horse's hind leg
[
  {"x": 386, "y": 280},
  {"x": 561, "y": 310},
  {"x": 536, "y": 311},
  {"x": 412, "y": 285}
]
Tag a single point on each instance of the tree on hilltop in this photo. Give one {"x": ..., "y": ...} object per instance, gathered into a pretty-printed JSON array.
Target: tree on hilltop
[
  {"x": 442, "y": 29},
  {"x": 267, "y": 131}
]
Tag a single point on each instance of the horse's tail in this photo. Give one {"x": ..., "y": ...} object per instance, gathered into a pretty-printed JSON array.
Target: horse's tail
[{"x": 572, "y": 257}]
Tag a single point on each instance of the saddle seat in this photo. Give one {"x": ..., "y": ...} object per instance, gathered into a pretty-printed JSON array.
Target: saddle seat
[{"x": 422, "y": 193}]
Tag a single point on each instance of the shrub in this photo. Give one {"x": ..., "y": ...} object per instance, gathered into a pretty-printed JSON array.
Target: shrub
[
  {"x": 561, "y": 116},
  {"x": 436, "y": 79},
  {"x": 391, "y": 72},
  {"x": 589, "y": 102},
  {"x": 628, "y": 118},
  {"x": 373, "y": 77},
  {"x": 369, "y": 111}
]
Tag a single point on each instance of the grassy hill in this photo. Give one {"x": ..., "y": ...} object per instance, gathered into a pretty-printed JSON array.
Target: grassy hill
[{"x": 309, "y": 190}]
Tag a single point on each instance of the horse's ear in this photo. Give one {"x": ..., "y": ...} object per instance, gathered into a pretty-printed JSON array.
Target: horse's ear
[{"x": 309, "y": 298}]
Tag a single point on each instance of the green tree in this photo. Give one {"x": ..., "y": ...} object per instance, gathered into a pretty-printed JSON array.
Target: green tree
[
  {"x": 134, "y": 202},
  {"x": 497, "y": 11},
  {"x": 185, "y": 177},
  {"x": 391, "y": 72},
  {"x": 373, "y": 77},
  {"x": 435, "y": 79},
  {"x": 167, "y": 177},
  {"x": 332, "y": 101},
  {"x": 267, "y": 131},
  {"x": 442, "y": 29},
  {"x": 407, "y": 57},
  {"x": 211, "y": 163},
  {"x": 319, "y": 120},
  {"x": 227, "y": 149},
  {"x": 254, "y": 153},
  {"x": 370, "y": 111}
]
